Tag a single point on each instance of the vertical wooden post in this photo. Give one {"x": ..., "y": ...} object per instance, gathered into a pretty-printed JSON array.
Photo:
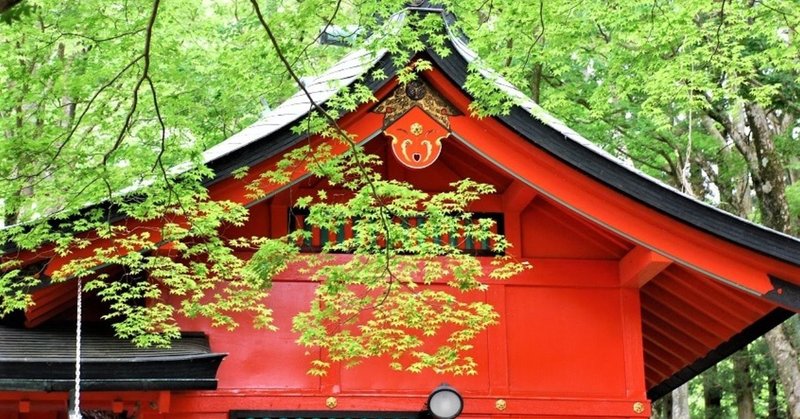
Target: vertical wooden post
[
  {"x": 633, "y": 343},
  {"x": 498, "y": 342}
]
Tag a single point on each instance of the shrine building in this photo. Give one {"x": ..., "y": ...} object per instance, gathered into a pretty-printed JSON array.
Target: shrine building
[{"x": 635, "y": 288}]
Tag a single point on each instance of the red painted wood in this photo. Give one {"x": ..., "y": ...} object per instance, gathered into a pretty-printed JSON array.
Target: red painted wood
[
  {"x": 547, "y": 233},
  {"x": 416, "y": 139},
  {"x": 278, "y": 221},
  {"x": 667, "y": 356},
  {"x": 698, "y": 312},
  {"x": 556, "y": 350},
  {"x": 597, "y": 202},
  {"x": 260, "y": 359},
  {"x": 498, "y": 342},
  {"x": 657, "y": 342},
  {"x": 639, "y": 266},
  {"x": 680, "y": 337},
  {"x": 699, "y": 290},
  {"x": 517, "y": 197},
  {"x": 630, "y": 306},
  {"x": 708, "y": 335}
]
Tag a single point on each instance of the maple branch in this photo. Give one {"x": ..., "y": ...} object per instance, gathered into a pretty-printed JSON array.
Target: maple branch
[
  {"x": 135, "y": 101},
  {"x": 343, "y": 135}
]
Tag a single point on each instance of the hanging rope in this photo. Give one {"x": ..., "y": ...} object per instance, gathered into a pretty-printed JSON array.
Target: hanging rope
[{"x": 76, "y": 411}]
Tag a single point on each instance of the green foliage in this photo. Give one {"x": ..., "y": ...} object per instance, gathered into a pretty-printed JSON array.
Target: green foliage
[
  {"x": 637, "y": 77},
  {"x": 102, "y": 116},
  {"x": 381, "y": 301},
  {"x": 793, "y": 196}
]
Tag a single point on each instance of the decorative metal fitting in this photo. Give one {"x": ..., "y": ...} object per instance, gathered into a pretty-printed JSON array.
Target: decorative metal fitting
[
  {"x": 331, "y": 402},
  {"x": 638, "y": 407},
  {"x": 500, "y": 404}
]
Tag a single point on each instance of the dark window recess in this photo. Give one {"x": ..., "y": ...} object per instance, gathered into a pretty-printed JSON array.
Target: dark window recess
[
  {"x": 322, "y": 236},
  {"x": 250, "y": 414}
]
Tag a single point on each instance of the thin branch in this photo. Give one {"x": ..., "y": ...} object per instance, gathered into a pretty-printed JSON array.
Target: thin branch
[
  {"x": 163, "y": 147},
  {"x": 328, "y": 23},
  {"x": 538, "y": 37},
  {"x": 343, "y": 136},
  {"x": 134, "y": 103},
  {"x": 110, "y": 38},
  {"x": 719, "y": 27},
  {"x": 638, "y": 160},
  {"x": 77, "y": 124}
]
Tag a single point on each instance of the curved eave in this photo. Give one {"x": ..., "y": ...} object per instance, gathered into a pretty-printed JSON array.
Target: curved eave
[
  {"x": 43, "y": 360},
  {"x": 726, "y": 349},
  {"x": 559, "y": 141},
  {"x": 137, "y": 375},
  {"x": 554, "y": 138},
  {"x": 631, "y": 183}
]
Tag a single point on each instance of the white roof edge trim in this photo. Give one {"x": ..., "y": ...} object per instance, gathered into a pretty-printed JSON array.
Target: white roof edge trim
[{"x": 321, "y": 88}]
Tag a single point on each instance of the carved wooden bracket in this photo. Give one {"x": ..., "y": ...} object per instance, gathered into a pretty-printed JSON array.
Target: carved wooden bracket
[
  {"x": 416, "y": 118},
  {"x": 416, "y": 139}
]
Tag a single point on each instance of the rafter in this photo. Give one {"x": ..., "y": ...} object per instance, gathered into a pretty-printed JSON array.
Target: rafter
[
  {"x": 518, "y": 196},
  {"x": 639, "y": 266}
]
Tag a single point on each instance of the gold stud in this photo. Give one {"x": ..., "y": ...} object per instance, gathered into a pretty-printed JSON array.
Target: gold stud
[
  {"x": 638, "y": 407},
  {"x": 500, "y": 404},
  {"x": 331, "y": 402}
]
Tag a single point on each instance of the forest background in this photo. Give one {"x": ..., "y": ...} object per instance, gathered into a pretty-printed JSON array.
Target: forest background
[{"x": 703, "y": 95}]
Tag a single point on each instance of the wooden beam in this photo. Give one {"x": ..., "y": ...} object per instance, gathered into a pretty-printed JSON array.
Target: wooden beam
[
  {"x": 117, "y": 406},
  {"x": 518, "y": 196},
  {"x": 164, "y": 401},
  {"x": 784, "y": 293},
  {"x": 639, "y": 266}
]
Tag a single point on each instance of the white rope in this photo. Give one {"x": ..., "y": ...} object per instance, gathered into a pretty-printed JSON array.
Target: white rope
[{"x": 76, "y": 411}]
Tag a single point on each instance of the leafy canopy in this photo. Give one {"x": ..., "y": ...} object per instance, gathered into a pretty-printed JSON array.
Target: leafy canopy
[{"x": 107, "y": 111}]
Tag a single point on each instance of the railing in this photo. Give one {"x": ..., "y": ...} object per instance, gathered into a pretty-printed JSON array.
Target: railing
[{"x": 319, "y": 237}]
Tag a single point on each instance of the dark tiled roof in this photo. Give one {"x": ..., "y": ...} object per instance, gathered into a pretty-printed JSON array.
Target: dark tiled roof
[{"x": 44, "y": 360}]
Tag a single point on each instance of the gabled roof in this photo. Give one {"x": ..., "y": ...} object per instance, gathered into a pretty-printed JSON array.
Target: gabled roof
[
  {"x": 527, "y": 118},
  {"x": 272, "y": 135}
]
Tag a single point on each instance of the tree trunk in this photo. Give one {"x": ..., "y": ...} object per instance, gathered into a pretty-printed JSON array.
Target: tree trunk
[
  {"x": 536, "y": 82},
  {"x": 767, "y": 171},
  {"x": 785, "y": 357},
  {"x": 772, "y": 398},
  {"x": 754, "y": 137},
  {"x": 743, "y": 385},
  {"x": 712, "y": 393},
  {"x": 6, "y": 5},
  {"x": 662, "y": 408},
  {"x": 680, "y": 402}
]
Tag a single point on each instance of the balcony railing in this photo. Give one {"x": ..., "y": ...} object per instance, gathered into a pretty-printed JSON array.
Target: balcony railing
[{"x": 319, "y": 237}]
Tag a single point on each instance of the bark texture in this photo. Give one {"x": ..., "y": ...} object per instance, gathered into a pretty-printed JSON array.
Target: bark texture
[
  {"x": 743, "y": 385},
  {"x": 712, "y": 393},
  {"x": 786, "y": 358},
  {"x": 680, "y": 402},
  {"x": 6, "y": 5}
]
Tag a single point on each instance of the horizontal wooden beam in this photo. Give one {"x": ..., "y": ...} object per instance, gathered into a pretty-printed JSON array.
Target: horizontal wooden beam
[
  {"x": 639, "y": 266},
  {"x": 518, "y": 196},
  {"x": 784, "y": 293}
]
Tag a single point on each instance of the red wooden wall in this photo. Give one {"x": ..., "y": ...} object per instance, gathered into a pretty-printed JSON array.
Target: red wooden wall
[{"x": 568, "y": 345}]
